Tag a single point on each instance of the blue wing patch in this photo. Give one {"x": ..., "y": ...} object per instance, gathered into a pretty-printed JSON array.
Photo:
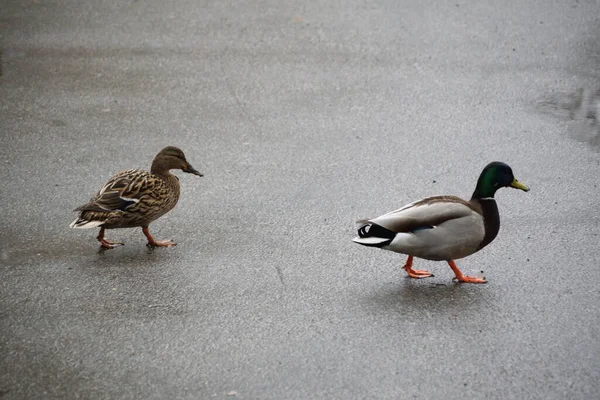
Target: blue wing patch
[{"x": 422, "y": 228}]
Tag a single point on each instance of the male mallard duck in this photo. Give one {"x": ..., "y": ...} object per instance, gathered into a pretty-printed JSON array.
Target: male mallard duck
[
  {"x": 443, "y": 228},
  {"x": 135, "y": 198}
]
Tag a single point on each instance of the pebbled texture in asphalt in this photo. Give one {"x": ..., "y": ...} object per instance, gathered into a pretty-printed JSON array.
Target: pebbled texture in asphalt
[{"x": 304, "y": 118}]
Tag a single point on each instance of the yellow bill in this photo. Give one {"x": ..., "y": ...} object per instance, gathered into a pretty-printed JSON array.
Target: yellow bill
[{"x": 518, "y": 185}]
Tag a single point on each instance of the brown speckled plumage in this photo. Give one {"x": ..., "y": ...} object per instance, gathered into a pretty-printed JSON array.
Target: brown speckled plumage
[
  {"x": 135, "y": 198},
  {"x": 155, "y": 195}
]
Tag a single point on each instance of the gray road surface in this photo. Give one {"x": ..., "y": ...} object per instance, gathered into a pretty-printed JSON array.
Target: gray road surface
[{"x": 304, "y": 116}]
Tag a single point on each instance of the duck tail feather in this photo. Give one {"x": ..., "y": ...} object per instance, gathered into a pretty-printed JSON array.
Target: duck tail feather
[
  {"x": 373, "y": 235},
  {"x": 85, "y": 224}
]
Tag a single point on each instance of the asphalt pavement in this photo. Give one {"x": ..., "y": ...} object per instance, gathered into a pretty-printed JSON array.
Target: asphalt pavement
[{"x": 303, "y": 117}]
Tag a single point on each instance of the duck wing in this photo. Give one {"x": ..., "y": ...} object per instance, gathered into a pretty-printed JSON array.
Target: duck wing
[
  {"x": 424, "y": 214},
  {"x": 122, "y": 191}
]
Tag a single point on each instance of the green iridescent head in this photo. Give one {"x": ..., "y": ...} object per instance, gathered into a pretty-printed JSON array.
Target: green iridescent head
[{"x": 493, "y": 177}]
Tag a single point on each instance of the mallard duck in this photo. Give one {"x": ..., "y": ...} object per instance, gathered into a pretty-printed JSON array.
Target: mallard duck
[
  {"x": 135, "y": 198},
  {"x": 443, "y": 228}
]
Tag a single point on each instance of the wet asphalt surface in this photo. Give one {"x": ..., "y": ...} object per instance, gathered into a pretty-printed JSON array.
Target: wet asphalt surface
[{"x": 304, "y": 118}]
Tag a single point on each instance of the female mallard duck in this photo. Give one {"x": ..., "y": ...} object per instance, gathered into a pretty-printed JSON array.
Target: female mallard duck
[
  {"x": 135, "y": 198},
  {"x": 443, "y": 228}
]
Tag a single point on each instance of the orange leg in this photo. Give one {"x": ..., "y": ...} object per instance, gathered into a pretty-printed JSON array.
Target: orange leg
[
  {"x": 106, "y": 243},
  {"x": 156, "y": 243},
  {"x": 463, "y": 278},
  {"x": 415, "y": 273}
]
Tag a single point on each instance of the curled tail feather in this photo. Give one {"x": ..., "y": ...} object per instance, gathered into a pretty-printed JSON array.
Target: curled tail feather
[{"x": 373, "y": 235}]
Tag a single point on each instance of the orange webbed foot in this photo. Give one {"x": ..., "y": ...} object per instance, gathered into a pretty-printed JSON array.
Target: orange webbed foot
[
  {"x": 415, "y": 273},
  {"x": 468, "y": 279},
  {"x": 110, "y": 245},
  {"x": 161, "y": 243},
  {"x": 418, "y": 273},
  {"x": 157, "y": 243},
  {"x": 463, "y": 278},
  {"x": 107, "y": 244}
]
